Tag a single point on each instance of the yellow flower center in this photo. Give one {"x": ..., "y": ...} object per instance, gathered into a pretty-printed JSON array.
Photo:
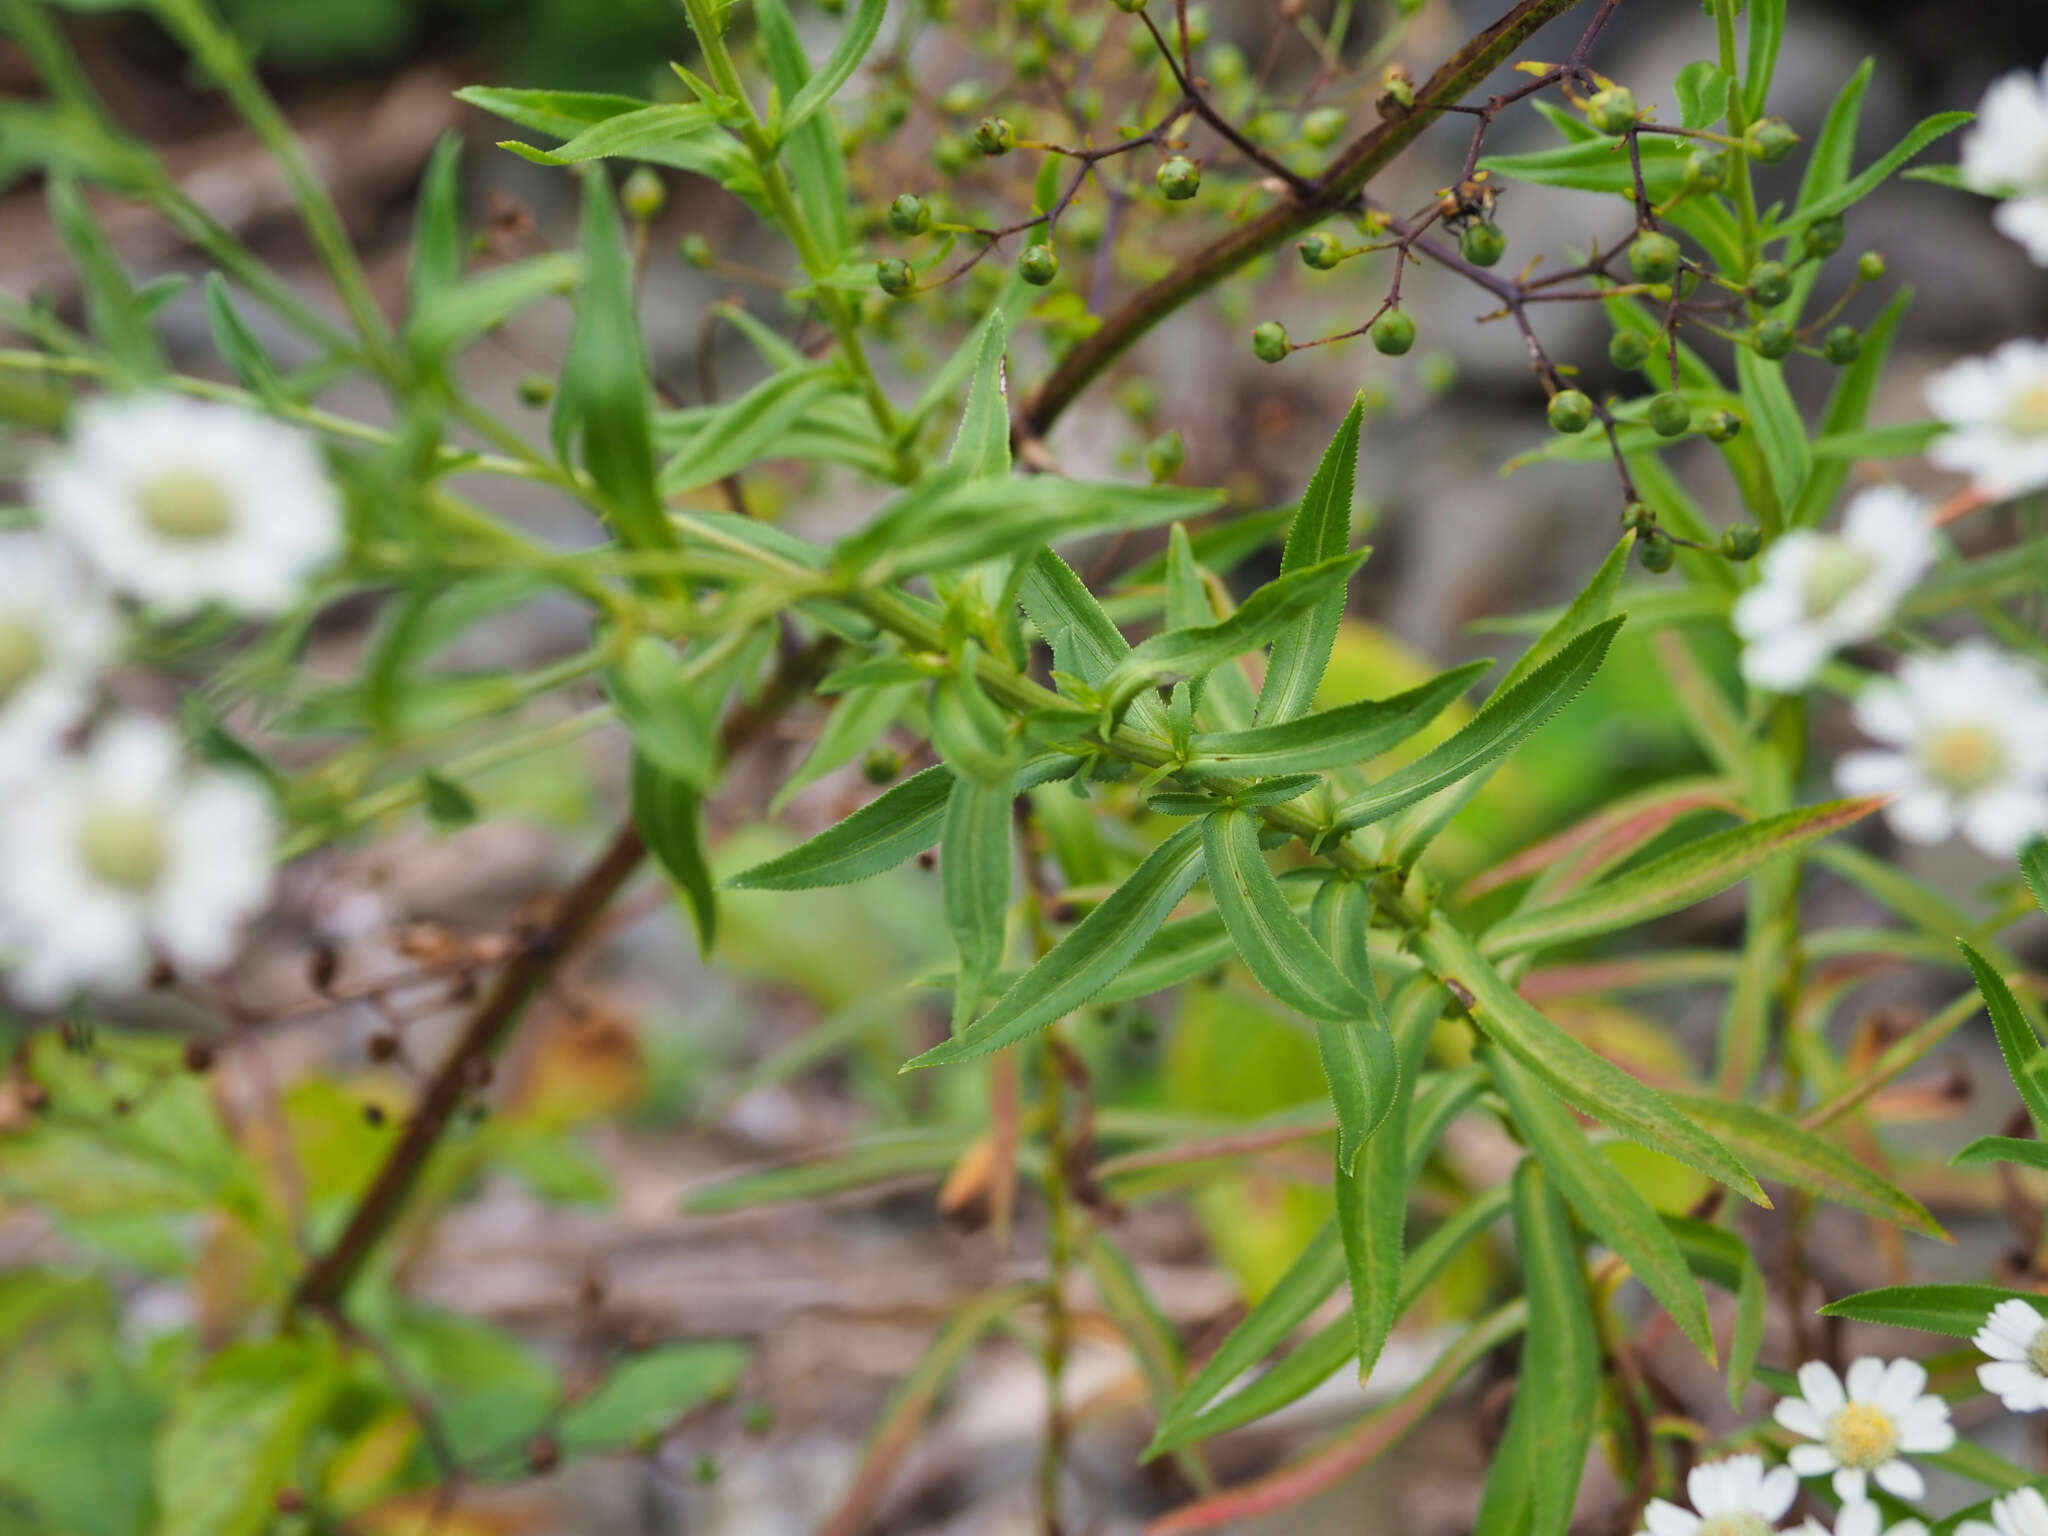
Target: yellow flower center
[
  {"x": 1963, "y": 758},
  {"x": 1735, "y": 1525},
  {"x": 21, "y": 652},
  {"x": 1838, "y": 569},
  {"x": 123, "y": 846},
  {"x": 1862, "y": 1436},
  {"x": 2028, "y": 415},
  {"x": 184, "y": 505}
]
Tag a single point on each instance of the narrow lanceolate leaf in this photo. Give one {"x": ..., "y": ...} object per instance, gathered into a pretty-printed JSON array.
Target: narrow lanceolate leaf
[
  {"x": 2034, "y": 869},
  {"x": 1675, "y": 881},
  {"x": 1776, "y": 1148},
  {"x": 1279, "y": 952},
  {"x": 1359, "y": 1058},
  {"x": 1372, "y": 1218},
  {"x": 1261, "y": 618},
  {"x": 2024, "y": 1058},
  {"x": 854, "y": 44},
  {"x": 1570, "y": 1070},
  {"x": 2002, "y": 1149},
  {"x": 1088, "y": 958},
  {"x": 1336, "y": 738},
  {"x": 670, "y": 723},
  {"x": 1503, "y": 724},
  {"x": 1225, "y": 697},
  {"x": 880, "y": 835},
  {"x": 1718, "y": 1255},
  {"x": 974, "y": 868},
  {"x": 669, "y": 813},
  {"x": 1605, "y": 1201},
  {"x": 749, "y": 428},
  {"x": 1321, "y": 531},
  {"x": 982, "y": 445},
  {"x": 1956, "y": 1310},
  {"x": 1085, "y": 642}
]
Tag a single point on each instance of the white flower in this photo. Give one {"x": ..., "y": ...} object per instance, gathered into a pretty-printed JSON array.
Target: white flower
[
  {"x": 1996, "y": 408},
  {"x": 2015, "y": 1336},
  {"x": 118, "y": 853},
  {"x": 1967, "y": 734},
  {"x": 55, "y": 634},
  {"x": 1860, "y": 1433},
  {"x": 1863, "y": 1519},
  {"x": 181, "y": 503},
  {"x": 2005, "y": 154},
  {"x": 2021, "y": 1513},
  {"x": 1735, "y": 1497},
  {"x": 1817, "y": 592}
]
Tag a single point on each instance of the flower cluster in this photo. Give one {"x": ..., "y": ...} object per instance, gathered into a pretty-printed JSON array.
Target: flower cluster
[
  {"x": 116, "y": 851},
  {"x": 2006, "y": 156}
]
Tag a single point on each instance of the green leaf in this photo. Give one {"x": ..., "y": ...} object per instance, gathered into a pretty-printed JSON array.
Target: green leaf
[
  {"x": 1702, "y": 94},
  {"x": 748, "y": 429},
  {"x": 669, "y": 812},
  {"x": 854, "y": 44},
  {"x": 1321, "y": 531},
  {"x": 974, "y": 869},
  {"x": 1901, "y": 440},
  {"x": 439, "y": 249},
  {"x": 1673, "y": 882},
  {"x": 235, "y": 1434},
  {"x": 905, "y": 820},
  {"x": 863, "y": 713},
  {"x": 2034, "y": 870},
  {"x": 113, "y": 314},
  {"x": 1598, "y": 165},
  {"x": 489, "y": 1390},
  {"x": 1568, "y": 1068},
  {"x": 1779, "y": 431},
  {"x": 876, "y": 1160},
  {"x": 1766, "y": 35},
  {"x": 2025, "y": 1061},
  {"x": 664, "y": 710},
  {"x": 1604, "y": 1200},
  {"x": 1343, "y": 737},
  {"x": 1358, "y": 1053},
  {"x": 450, "y": 318},
  {"x": 1956, "y": 1310},
  {"x": 1514, "y": 713},
  {"x": 1275, "y": 946},
  {"x": 1859, "y": 187},
  {"x": 1088, "y": 958},
  {"x": 2002, "y": 1149},
  {"x": 981, "y": 447},
  {"x": 239, "y": 347},
  {"x": 968, "y": 730},
  {"x": 629, "y": 133},
  {"x": 1720, "y": 1256},
  {"x": 816, "y": 164},
  {"x": 1372, "y": 1217},
  {"x": 1848, "y": 406},
  {"x": 645, "y": 1393},
  {"x": 1084, "y": 642}
]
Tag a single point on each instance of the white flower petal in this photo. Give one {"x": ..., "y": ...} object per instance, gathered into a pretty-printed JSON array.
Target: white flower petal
[
  {"x": 1811, "y": 1460},
  {"x": 1865, "y": 1380},
  {"x": 1851, "y": 1485},
  {"x": 1820, "y": 1386},
  {"x": 1921, "y": 816},
  {"x": 1801, "y": 1417},
  {"x": 1666, "y": 1519},
  {"x": 2024, "y": 221},
  {"x": 1901, "y": 1479}
]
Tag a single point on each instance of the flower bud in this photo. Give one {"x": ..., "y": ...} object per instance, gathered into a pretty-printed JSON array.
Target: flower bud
[
  {"x": 1198, "y": 25},
  {"x": 1769, "y": 139},
  {"x": 1628, "y": 350},
  {"x": 1823, "y": 237},
  {"x": 1570, "y": 411},
  {"x": 694, "y": 251},
  {"x": 963, "y": 97},
  {"x": 1482, "y": 244},
  {"x": 1706, "y": 170},
  {"x": 894, "y": 277},
  {"x": 1841, "y": 346},
  {"x": 1721, "y": 426},
  {"x": 1669, "y": 415},
  {"x": 1655, "y": 550},
  {"x": 995, "y": 136},
  {"x": 1164, "y": 455},
  {"x": 1321, "y": 251},
  {"x": 1179, "y": 179},
  {"x": 1772, "y": 339},
  {"x": 1769, "y": 282},
  {"x": 910, "y": 215},
  {"x": 1269, "y": 342},
  {"x": 881, "y": 765},
  {"x": 644, "y": 193},
  {"x": 950, "y": 153},
  {"x": 1038, "y": 265},
  {"x": 1129, "y": 7},
  {"x": 1870, "y": 266},
  {"x": 1393, "y": 333},
  {"x": 1741, "y": 541},
  {"x": 536, "y": 390},
  {"x": 1653, "y": 258},
  {"x": 1612, "y": 110},
  {"x": 1323, "y": 125},
  {"x": 1397, "y": 91}
]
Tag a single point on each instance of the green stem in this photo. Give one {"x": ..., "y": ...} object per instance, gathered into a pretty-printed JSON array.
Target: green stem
[{"x": 1738, "y": 123}]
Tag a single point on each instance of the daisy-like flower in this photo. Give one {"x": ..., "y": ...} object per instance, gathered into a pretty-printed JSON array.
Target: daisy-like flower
[
  {"x": 2005, "y": 154},
  {"x": 117, "y": 854},
  {"x": 55, "y": 634},
  {"x": 1817, "y": 592},
  {"x": 1996, "y": 408},
  {"x": 2015, "y": 1336},
  {"x": 181, "y": 503},
  {"x": 1864, "y": 1519},
  {"x": 2021, "y": 1513},
  {"x": 1860, "y": 1433},
  {"x": 1965, "y": 746},
  {"x": 1735, "y": 1497}
]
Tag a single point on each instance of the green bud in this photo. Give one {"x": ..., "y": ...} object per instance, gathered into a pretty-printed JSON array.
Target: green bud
[
  {"x": 1612, "y": 110},
  {"x": 1482, "y": 244},
  {"x": 1227, "y": 66},
  {"x": 1129, "y": 7},
  {"x": 962, "y": 97},
  {"x": 1439, "y": 370},
  {"x": 894, "y": 277},
  {"x": 1164, "y": 455},
  {"x": 910, "y": 215},
  {"x": 881, "y": 765},
  {"x": 1570, "y": 411},
  {"x": 1870, "y": 266},
  {"x": 1138, "y": 397},
  {"x": 1720, "y": 426},
  {"x": 1742, "y": 541},
  {"x": 1393, "y": 333},
  {"x": 694, "y": 250},
  {"x": 1029, "y": 58},
  {"x": 1653, "y": 258},
  {"x": 1706, "y": 170},
  {"x": 1769, "y": 282},
  {"x": 1669, "y": 415},
  {"x": 1198, "y": 25},
  {"x": 1397, "y": 91},
  {"x": 1769, "y": 139},
  {"x": 1772, "y": 339},
  {"x": 1628, "y": 350},
  {"x": 536, "y": 389},
  {"x": 644, "y": 193},
  {"x": 1323, "y": 126},
  {"x": 1038, "y": 265},
  {"x": 1637, "y": 515},
  {"x": 1842, "y": 346},
  {"x": 1823, "y": 237},
  {"x": 995, "y": 136},
  {"x": 1082, "y": 225},
  {"x": 1655, "y": 550},
  {"x": 1269, "y": 342},
  {"x": 1179, "y": 179},
  {"x": 951, "y": 153},
  {"x": 1321, "y": 251}
]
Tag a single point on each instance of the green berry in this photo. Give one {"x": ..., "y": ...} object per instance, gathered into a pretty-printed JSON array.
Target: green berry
[
  {"x": 1038, "y": 265},
  {"x": 995, "y": 136},
  {"x": 644, "y": 193},
  {"x": 1179, "y": 179},
  {"x": 1570, "y": 411},
  {"x": 1393, "y": 333},
  {"x": 962, "y": 97},
  {"x": 1706, "y": 170},
  {"x": 1130, "y": 7},
  {"x": 1870, "y": 266},
  {"x": 536, "y": 389},
  {"x": 1769, "y": 282},
  {"x": 1720, "y": 426},
  {"x": 894, "y": 277},
  {"x": 1742, "y": 541},
  {"x": 1164, "y": 455},
  {"x": 1269, "y": 342},
  {"x": 1772, "y": 339},
  {"x": 1769, "y": 139},
  {"x": 1655, "y": 550},
  {"x": 951, "y": 153},
  {"x": 1653, "y": 258},
  {"x": 1323, "y": 125},
  {"x": 910, "y": 215},
  {"x": 1482, "y": 244},
  {"x": 1842, "y": 346},
  {"x": 695, "y": 251},
  {"x": 1198, "y": 25},
  {"x": 1628, "y": 350},
  {"x": 881, "y": 765},
  {"x": 1612, "y": 110},
  {"x": 1030, "y": 58},
  {"x": 1823, "y": 237},
  {"x": 1321, "y": 251},
  {"x": 1669, "y": 415}
]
